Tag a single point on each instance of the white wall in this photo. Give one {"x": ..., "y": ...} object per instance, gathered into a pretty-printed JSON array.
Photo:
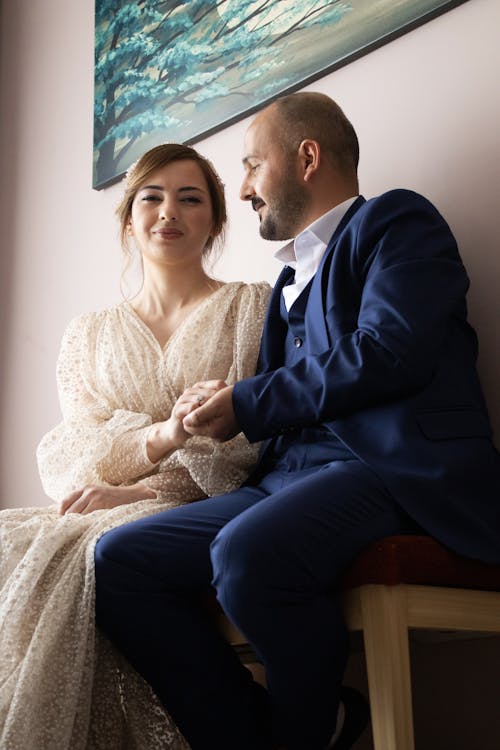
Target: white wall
[{"x": 427, "y": 111}]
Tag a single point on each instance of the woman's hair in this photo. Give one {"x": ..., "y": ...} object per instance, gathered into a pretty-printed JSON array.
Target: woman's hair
[{"x": 159, "y": 157}]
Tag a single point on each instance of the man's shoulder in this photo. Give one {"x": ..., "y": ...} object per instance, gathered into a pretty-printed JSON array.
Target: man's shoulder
[
  {"x": 395, "y": 201},
  {"x": 394, "y": 206}
]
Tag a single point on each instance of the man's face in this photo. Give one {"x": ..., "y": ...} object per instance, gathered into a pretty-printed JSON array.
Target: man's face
[{"x": 272, "y": 182}]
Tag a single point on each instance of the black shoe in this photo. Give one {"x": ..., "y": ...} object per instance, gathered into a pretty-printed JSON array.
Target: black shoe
[{"x": 357, "y": 716}]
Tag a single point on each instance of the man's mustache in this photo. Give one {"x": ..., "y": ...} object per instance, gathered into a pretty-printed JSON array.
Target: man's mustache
[{"x": 257, "y": 202}]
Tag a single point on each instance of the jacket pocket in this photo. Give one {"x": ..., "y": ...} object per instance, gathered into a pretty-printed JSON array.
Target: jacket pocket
[{"x": 448, "y": 424}]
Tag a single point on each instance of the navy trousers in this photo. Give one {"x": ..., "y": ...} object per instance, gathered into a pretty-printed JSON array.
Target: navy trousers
[{"x": 274, "y": 552}]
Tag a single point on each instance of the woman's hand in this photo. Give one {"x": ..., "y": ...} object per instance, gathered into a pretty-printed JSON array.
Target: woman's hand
[{"x": 94, "y": 497}]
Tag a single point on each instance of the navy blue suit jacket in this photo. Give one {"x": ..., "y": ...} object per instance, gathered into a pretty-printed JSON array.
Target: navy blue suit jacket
[{"x": 389, "y": 367}]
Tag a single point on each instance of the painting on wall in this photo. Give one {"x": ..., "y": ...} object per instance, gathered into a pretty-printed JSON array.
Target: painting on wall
[{"x": 179, "y": 71}]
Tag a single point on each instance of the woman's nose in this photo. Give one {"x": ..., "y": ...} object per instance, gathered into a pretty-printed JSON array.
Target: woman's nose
[{"x": 167, "y": 211}]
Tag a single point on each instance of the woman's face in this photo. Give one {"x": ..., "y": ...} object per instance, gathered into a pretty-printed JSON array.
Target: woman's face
[{"x": 171, "y": 217}]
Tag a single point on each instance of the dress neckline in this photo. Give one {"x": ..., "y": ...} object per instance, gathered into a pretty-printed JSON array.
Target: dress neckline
[{"x": 130, "y": 309}]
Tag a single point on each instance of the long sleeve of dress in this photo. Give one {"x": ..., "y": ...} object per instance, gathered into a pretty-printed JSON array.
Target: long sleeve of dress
[
  {"x": 69, "y": 455},
  {"x": 114, "y": 381}
]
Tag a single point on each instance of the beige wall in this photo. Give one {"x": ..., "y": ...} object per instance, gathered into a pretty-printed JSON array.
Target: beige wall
[{"x": 427, "y": 111}]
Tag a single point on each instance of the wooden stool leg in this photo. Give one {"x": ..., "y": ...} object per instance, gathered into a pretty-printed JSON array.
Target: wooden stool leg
[{"x": 385, "y": 630}]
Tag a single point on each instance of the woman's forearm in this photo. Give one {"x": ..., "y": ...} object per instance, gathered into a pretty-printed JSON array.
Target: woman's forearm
[{"x": 160, "y": 442}]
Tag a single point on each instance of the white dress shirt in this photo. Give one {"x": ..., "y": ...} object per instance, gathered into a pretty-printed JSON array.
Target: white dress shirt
[{"x": 305, "y": 252}]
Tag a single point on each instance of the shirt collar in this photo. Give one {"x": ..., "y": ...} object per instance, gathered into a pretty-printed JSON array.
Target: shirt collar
[{"x": 320, "y": 231}]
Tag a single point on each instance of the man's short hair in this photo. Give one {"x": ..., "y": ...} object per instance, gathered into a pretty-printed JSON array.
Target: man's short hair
[{"x": 311, "y": 115}]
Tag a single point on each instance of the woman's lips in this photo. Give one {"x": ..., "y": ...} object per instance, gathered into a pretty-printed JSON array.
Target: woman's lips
[{"x": 168, "y": 234}]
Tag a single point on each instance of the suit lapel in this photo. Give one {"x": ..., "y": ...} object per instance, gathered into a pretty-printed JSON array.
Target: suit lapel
[
  {"x": 274, "y": 333},
  {"x": 315, "y": 322}
]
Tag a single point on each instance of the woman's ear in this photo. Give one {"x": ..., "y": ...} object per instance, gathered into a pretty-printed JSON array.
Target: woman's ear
[{"x": 309, "y": 157}]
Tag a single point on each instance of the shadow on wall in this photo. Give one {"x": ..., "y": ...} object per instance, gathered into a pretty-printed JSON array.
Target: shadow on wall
[
  {"x": 10, "y": 92},
  {"x": 455, "y": 690}
]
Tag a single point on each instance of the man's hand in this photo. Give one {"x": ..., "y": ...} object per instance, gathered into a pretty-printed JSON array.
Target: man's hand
[{"x": 215, "y": 417}]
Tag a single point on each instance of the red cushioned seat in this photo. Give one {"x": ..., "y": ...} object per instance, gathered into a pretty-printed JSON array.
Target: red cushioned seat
[{"x": 419, "y": 560}]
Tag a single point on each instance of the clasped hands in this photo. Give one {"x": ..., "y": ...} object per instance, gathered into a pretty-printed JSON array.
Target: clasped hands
[
  {"x": 210, "y": 411},
  {"x": 206, "y": 408}
]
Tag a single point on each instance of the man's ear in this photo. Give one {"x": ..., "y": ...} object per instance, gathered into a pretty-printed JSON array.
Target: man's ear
[{"x": 309, "y": 158}]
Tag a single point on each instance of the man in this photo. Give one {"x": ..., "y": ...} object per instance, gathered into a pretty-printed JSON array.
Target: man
[{"x": 373, "y": 423}]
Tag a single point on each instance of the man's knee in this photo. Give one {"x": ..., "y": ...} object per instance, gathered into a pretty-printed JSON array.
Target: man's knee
[
  {"x": 231, "y": 555},
  {"x": 112, "y": 577},
  {"x": 118, "y": 561},
  {"x": 243, "y": 569},
  {"x": 105, "y": 552}
]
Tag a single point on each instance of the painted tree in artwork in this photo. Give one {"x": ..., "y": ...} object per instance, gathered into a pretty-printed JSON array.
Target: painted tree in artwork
[{"x": 155, "y": 60}]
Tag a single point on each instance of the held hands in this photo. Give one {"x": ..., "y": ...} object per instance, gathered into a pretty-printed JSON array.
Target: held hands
[
  {"x": 213, "y": 415},
  {"x": 166, "y": 437},
  {"x": 192, "y": 399}
]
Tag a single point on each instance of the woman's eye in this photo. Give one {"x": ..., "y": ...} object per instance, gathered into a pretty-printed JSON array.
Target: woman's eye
[
  {"x": 190, "y": 199},
  {"x": 150, "y": 198}
]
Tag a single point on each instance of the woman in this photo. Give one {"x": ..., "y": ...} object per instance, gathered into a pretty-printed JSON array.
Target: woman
[{"x": 125, "y": 379}]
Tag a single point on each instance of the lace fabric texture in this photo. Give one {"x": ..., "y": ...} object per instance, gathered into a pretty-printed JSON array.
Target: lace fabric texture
[{"x": 62, "y": 684}]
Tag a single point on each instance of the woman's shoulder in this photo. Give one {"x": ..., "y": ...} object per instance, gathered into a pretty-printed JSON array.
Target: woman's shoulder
[
  {"x": 86, "y": 323},
  {"x": 255, "y": 293}
]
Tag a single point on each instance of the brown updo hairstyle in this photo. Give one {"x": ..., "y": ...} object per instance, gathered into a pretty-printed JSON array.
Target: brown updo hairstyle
[{"x": 159, "y": 157}]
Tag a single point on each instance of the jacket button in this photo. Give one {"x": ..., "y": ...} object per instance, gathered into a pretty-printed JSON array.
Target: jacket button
[{"x": 297, "y": 341}]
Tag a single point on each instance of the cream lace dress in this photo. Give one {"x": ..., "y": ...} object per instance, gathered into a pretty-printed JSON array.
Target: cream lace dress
[{"x": 62, "y": 685}]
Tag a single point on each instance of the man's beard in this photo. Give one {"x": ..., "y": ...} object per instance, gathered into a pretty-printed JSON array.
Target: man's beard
[{"x": 285, "y": 217}]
